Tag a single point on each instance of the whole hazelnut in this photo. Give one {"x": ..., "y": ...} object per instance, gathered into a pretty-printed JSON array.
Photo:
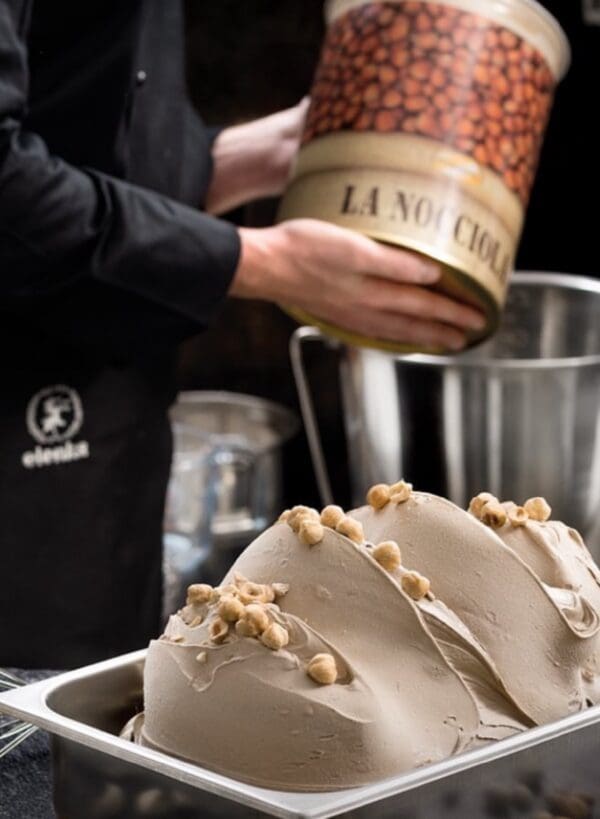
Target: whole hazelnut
[
  {"x": 388, "y": 555},
  {"x": 198, "y": 594},
  {"x": 538, "y": 509},
  {"x": 322, "y": 669},
  {"x": 275, "y": 637},
  {"x": 378, "y": 496}
]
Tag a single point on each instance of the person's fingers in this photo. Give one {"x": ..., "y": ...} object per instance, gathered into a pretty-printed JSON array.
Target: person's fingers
[
  {"x": 419, "y": 302},
  {"x": 402, "y": 329},
  {"x": 398, "y": 265},
  {"x": 353, "y": 252},
  {"x": 426, "y": 334}
]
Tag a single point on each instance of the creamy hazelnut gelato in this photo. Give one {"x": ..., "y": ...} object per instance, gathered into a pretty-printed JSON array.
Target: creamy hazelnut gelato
[
  {"x": 344, "y": 649},
  {"x": 528, "y": 592}
]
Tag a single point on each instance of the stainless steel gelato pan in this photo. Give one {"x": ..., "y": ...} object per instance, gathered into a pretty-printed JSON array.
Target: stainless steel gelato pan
[{"x": 100, "y": 776}]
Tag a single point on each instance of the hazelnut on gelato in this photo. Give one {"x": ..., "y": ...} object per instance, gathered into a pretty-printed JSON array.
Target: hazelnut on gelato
[{"x": 342, "y": 649}]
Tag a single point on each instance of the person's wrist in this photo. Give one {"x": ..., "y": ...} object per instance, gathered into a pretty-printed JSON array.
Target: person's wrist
[
  {"x": 285, "y": 144},
  {"x": 252, "y": 278},
  {"x": 246, "y": 160},
  {"x": 253, "y": 160},
  {"x": 268, "y": 163},
  {"x": 275, "y": 140}
]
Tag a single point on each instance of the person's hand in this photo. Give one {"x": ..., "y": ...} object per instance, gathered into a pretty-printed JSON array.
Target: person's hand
[
  {"x": 353, "y": 282},
  {"x": 253, "y": 160}
]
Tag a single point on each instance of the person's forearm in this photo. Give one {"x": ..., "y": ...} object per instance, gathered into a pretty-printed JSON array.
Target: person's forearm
[
  {"x": 253, "y": 160},
  {"x": 65, "y": 229}
]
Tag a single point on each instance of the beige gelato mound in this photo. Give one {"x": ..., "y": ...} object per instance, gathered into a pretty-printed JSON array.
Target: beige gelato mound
[
  {"x": 336, "y": 654},
  {"x": 530, "y": 594}
]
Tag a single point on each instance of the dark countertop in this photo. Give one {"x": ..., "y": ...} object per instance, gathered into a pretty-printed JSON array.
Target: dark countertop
[{"x": 25, "y": 775}]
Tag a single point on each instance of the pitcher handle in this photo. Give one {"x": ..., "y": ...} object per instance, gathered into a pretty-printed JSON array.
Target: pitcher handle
[{"x": 315, "y": 444}]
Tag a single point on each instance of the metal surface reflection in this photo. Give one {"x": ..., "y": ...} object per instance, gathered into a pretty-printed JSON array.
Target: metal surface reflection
[{"x": 517, "y": 416}]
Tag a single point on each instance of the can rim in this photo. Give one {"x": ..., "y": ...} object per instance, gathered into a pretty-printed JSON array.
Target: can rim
[
  {"x": 498, "y": 11},
  {"x": 565, "y": 45},
  {"x": 564, "y": 281}
]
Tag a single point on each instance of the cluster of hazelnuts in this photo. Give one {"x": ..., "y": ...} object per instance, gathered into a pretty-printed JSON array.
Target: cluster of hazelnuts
[
  {"x": 246, "y": 608},
  {"x": 310, "y": 524},
  {"x": 490, "y": 511}
]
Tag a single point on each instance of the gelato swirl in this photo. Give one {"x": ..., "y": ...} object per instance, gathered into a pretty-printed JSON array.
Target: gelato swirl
[{"x": 344, "y": 649}]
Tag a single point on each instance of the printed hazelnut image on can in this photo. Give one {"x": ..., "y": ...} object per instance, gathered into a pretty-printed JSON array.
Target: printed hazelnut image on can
[{"x": 424, "y": 131}]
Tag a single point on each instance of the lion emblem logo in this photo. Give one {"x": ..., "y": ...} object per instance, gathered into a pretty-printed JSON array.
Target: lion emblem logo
[{"x": 54, "y": 415}]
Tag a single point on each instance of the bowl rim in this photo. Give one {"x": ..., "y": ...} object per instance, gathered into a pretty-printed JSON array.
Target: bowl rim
[
  {"x": 288, "y": 420},
  {"x": 563, "y": 281}
]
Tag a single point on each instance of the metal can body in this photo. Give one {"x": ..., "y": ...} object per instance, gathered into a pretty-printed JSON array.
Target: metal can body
[{"x": 425, "y": 129}]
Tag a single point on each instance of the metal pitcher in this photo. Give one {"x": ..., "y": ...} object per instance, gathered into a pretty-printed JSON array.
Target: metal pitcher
[
  {"x": 518, "y": 416},
  {"x": 247, "y": 434},
  {"x": 189, "y": 512}
]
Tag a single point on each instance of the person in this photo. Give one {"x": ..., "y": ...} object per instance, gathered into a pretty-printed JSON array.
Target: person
[{"x": 107, "y": 262}]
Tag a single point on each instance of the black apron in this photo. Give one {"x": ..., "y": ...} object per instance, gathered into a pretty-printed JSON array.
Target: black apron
[
  {"x": 85, "y": 458},
  {"x": 87, "y": 352}
]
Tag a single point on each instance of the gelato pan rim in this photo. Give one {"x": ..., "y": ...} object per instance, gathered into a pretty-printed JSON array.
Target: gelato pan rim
[{"x": 37, "y": 703}]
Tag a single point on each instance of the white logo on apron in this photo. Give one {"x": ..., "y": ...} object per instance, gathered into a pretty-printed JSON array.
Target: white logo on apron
[
  {"x": 591, "y": 12},
  {"x": 54, "y": 417}
]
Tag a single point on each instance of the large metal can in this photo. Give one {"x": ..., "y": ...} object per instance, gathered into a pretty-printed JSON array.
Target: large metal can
[{"x": 424, "y": 131}]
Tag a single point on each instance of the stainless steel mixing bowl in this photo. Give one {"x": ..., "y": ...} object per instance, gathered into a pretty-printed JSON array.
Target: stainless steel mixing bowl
[{"x": 517, "y": 416}]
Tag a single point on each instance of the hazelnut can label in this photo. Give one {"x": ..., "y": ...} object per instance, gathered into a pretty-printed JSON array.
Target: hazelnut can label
[{"x": 424, "y": 130}]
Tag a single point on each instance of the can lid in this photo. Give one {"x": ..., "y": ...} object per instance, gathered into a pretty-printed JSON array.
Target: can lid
[{"x": 526, "y": 18}]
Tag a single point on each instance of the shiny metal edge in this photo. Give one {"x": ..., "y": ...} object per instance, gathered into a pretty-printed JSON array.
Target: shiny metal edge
[
  {"x": 584, "y": 284},
  {"x": 30, "y": 704},
  {"x": 541, "y": 279},
  {"x": 246, "y": 400}
]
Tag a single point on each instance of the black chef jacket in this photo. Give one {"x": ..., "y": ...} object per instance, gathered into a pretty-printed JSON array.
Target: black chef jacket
[
  {"x": 106, "y": 263},
  {"x": 561, "y": 228}
]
